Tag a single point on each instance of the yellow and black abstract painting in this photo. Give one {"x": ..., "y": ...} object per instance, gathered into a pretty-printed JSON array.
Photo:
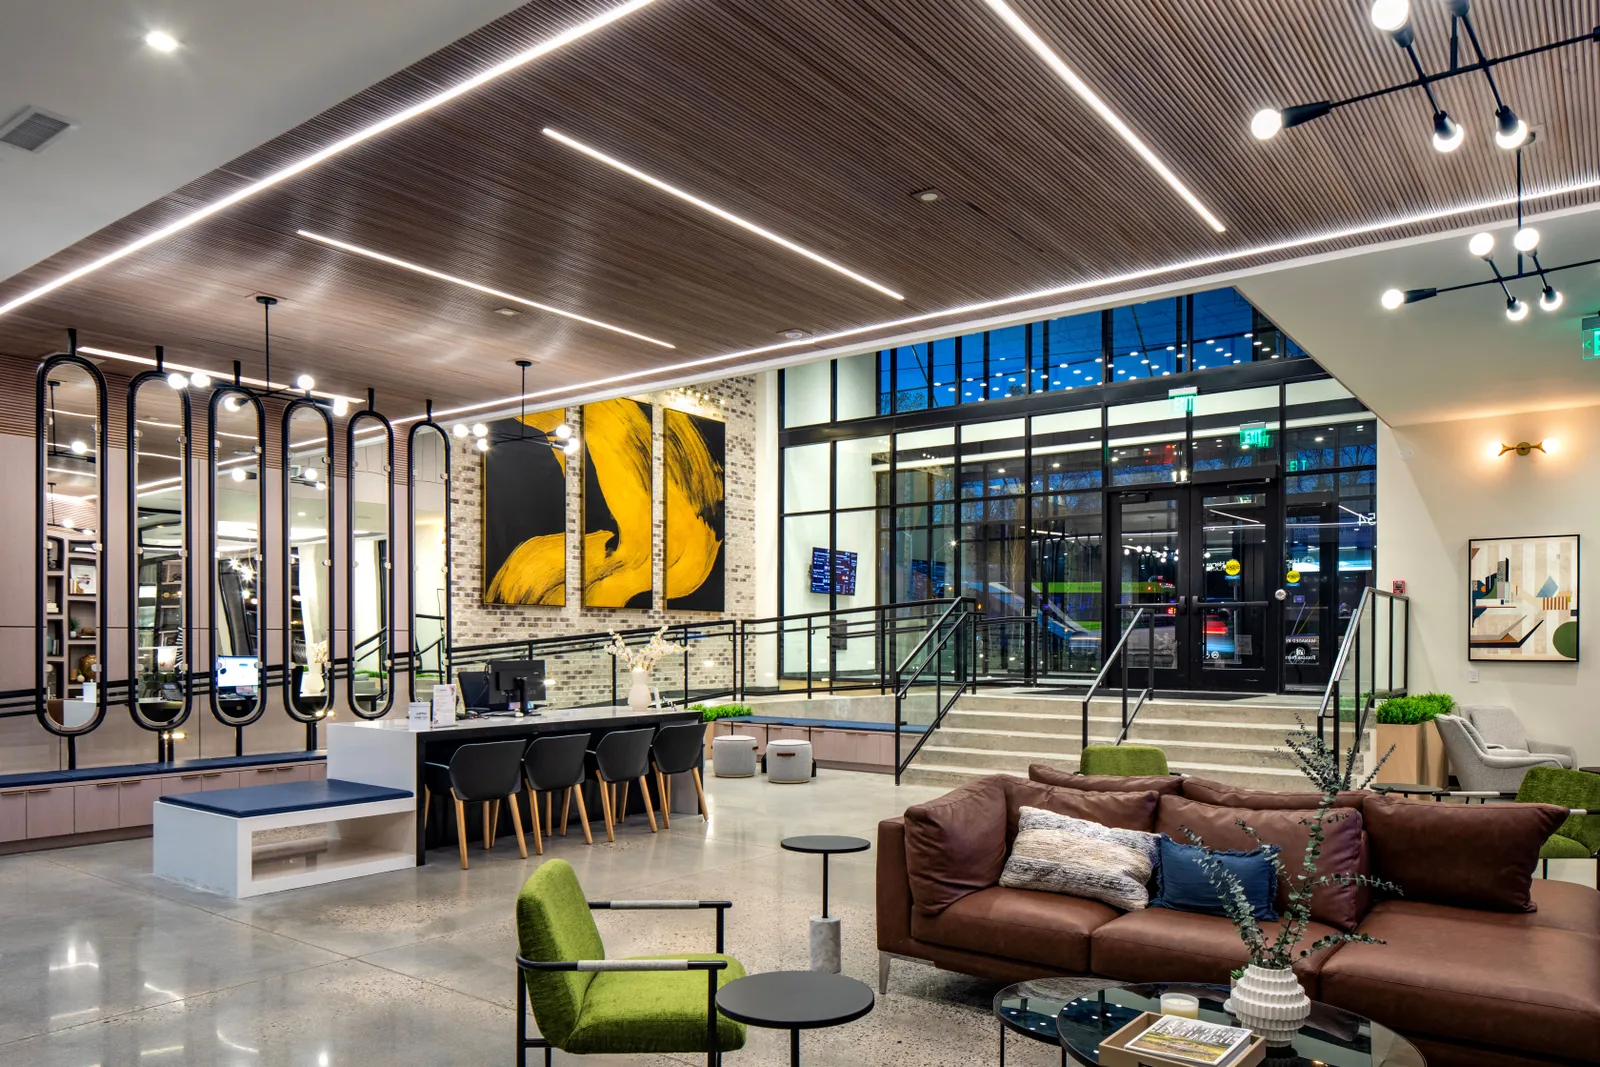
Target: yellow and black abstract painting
[
  {"x": 618, "y": 454},
  {"x": 525, "y": 513},
  {"x": 696, "y": 449}
]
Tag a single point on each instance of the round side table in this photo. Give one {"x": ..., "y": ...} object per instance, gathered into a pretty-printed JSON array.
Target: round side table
[
  {"x": 795, "y": 1001},
  {"x": 826, "y": 942}
]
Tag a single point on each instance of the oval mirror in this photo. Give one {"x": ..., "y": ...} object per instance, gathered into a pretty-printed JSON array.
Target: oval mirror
[
  {"x": 308, "y": 561},
  {"x": 428, "y": 453},
  {"x": 238, "y": 579},
  {"x": 158, "y": 569},
  {"x": 369, "y": 577},
  {"x": 70, "y": 638}
]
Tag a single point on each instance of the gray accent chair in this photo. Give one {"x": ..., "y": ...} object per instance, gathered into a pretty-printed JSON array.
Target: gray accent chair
[
  {"x": 1480, "y": 768},
  {"x": 1499, "y": 727}
]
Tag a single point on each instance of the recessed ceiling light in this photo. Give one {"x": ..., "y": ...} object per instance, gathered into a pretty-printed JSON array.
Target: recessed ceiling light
[
  {"x": 1099, "y": 107},
  {"x": 549, "y": 44},
  {"x": 464, "y": 283},
  {"x": 795, "y": 334},
  {"x": 507, "y": 312},
  {"x": 161, "y": 41},
  {"x": 927, "y": 196},
  {"x": 726, "y": 216}
]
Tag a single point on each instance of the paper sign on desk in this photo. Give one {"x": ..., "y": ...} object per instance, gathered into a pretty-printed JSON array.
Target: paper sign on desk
[
  {"x": 444, "y": 705},
  {"x": 420, "y": 714}
]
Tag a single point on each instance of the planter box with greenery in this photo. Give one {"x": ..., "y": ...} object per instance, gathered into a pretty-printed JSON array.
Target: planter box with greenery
[
  {"x": 1405, "y": 725},
  {"x": 710, "y": 714}
]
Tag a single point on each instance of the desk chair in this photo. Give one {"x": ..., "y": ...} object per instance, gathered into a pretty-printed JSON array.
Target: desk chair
[
  {"x": 620, "y": 757},
  {"x": 549, "y": 764},
  {"x": 677, "y": 749},
  {"x": 485, "y": 773}
]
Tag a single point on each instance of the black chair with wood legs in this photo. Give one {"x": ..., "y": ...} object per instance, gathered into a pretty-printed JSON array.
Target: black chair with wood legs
[
  {"x": 676, "y": 750},
  {"x": 620, "y": 757},
  {"x": 484, "y": 774},
  {"x": 553, "y": 764}
]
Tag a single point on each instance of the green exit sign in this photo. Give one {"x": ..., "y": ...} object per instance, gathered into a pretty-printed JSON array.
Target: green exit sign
[
  {"x": 1255, "y": 435},
  {"x": 1591, "y": 337}
]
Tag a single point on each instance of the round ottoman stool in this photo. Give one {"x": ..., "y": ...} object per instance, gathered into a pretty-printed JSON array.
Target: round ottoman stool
[
  {"x": 733, "y": 756},
  {"x": 789, "y": 761}
]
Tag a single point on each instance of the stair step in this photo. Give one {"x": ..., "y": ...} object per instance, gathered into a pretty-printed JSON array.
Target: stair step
[{"x": 945, "y": 774}]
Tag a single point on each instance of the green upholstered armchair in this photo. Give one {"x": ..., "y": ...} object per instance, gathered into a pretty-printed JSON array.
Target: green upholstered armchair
[
  {"x": 1579, "y": 791},
  {"x": 1122, "y": 760},
  {"x": 584, "y": 1003}
]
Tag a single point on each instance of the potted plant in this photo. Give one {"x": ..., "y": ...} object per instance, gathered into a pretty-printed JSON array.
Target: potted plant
[
  {"x": 640, "y": 661},
  {"x": 711, "y": 713},
  {"x": 1405, "y": 726},
  {"x": 1267, "y": 997}
]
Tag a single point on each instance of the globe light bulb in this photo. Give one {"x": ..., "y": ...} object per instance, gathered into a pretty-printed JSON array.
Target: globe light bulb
[
  {"x": 1526, "y": 240},
  {"x": 1481, "y": 244},
  {"x": 340, "y": 406},
  {"x": 200, "y": 380},
  {"x": 483, "y": 444},
  {"x": 1447, "y": 133},
  {"x": 305, "y": 382},
  {"x": 1551, "y": 298},
  {"x": 1551, "y": 446},
  {"x": 1390, "y": 15},
  {"x": 177, "y": 381},
  {"x": 1516, "y": 310},
  {"x": 571, "y": 447},
  {"x": 237, "y": 474},
  {"x": 1266, "y": 124},
  {"x": 460, "y": 429},
  {"x": 563, "y": 432},
  {"x": 480, "y": 430},
  {"x": 79, "y": 448},
  {"x": 1393, "y": 298},
  {"x": 311, "y": 474},
  {"x": 1510, "y": 132},
  {"x": 231, "y": 403}
]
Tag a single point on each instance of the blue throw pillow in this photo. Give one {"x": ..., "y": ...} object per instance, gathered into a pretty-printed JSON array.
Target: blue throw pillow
[{"x": 1183, "y": 885}]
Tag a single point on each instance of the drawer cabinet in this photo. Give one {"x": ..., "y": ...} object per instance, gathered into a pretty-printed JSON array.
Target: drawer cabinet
[
  {"x": 210, "y": 780},
  {"x": 49, "y": 810},
  {"x": 136, "y": 801},
  {"x": 94, "y": 807},
  {"x": 13, "y": 815}
]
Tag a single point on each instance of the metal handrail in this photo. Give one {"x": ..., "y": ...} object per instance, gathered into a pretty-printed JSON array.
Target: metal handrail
[
  {"x": 957, "y": 602},
  {"x": 1365, "y": 613},
  {"x": 942, "y": 705},
  {"x": 1119, "y": 653}
]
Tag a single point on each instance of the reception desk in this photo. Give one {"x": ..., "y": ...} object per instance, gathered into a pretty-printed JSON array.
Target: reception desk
[{"x": 391, "y": 752}]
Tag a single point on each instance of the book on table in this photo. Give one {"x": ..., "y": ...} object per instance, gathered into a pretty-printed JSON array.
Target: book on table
[{"x": 1192, "y": 1041}]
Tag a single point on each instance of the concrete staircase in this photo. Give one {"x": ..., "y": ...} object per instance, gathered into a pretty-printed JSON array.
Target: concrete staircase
[{"x": 990, "y": 732}]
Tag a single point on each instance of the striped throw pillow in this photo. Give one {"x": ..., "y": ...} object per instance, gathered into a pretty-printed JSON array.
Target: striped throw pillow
[{"x": 1059, "y": 854}]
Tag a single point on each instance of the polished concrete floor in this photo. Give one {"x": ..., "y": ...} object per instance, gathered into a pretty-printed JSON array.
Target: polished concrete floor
[{"x": 103, "y": 964}]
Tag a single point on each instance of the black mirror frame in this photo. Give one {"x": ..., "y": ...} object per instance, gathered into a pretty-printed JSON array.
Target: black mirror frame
[
  {"x": 387, "y": 622},
  {"x": 186, "y": 676},
  {"x": 306, "y": 404},
  {"x": 411, "y": 549},
  {"x": 217, "y": 397},
  {"x": 102, "y": 455}
]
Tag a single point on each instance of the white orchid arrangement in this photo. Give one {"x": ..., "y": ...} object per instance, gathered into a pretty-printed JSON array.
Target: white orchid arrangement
[{"x": 642, "y": 657}]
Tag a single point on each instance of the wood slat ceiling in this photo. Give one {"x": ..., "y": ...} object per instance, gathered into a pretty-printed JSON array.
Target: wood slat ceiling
[{"x": 816, "y": 120}]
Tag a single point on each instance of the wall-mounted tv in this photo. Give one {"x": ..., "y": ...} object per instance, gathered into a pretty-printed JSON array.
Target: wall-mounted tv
[{"x": 835, "y": 574}]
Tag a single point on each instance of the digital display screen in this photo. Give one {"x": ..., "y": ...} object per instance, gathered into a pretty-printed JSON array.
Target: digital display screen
[
  {"x": 238, "y": 672},
  {"x": 833, "y": 572}
]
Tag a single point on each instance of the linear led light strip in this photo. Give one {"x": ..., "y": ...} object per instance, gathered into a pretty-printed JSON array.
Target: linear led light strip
[
  {"x": 1098, "y": 106},
  {"x": 582, "y": 29},
  {"x": 452, "y": 279},
  {"x": 726, "y": 216},
  {"x": 1125, "y": 278},
  {"x": 219, "y": 380}
]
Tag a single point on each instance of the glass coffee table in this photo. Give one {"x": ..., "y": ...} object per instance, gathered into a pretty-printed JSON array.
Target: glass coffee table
[
  {"x": 1030, "y": 1009},
  {"x": 1332, "y": 1037}
]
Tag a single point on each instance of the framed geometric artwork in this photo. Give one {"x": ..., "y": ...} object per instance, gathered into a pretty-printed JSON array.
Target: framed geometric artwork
[
  {"x": 618, "y": 524},
  {"x": 1523, "y": 599},
  {"x": 525, "y": 513},
  {"x": 696, "y": 448}
]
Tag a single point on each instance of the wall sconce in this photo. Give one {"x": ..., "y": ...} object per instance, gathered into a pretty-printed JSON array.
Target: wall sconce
[{"x": 1548, "y": 446}]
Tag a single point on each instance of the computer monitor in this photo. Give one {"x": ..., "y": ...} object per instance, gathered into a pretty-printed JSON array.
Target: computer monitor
[
  {"x": 510, "y": 677},
  {"x": 238, "y": 673},
  {"x": 475, "y": 690}
]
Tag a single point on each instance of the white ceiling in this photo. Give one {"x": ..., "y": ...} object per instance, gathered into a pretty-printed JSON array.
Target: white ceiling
[
  {"x": 1455, "y": 356},
  {"x": 150, "y": 123}
]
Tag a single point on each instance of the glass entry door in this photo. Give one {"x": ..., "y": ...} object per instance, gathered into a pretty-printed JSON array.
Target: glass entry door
[{"x": 1201, "y": 557}]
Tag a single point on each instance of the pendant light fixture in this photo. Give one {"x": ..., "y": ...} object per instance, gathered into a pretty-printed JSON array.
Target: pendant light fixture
[
  {"x": 562, "y": 438},
  {"x": 1394, "y": 18}
]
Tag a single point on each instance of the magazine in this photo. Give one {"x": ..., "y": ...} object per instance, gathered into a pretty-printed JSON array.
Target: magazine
[{"x": 1191, "y": 1040}]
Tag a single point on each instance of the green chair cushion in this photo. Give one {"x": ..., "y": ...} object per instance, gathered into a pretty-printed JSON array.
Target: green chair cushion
[
  {"x": 1567, "y": 789},
  {"x": 651, "y": 1011},
  {"x": 1123, "y": 760},
  {"x": 1563, "y": 848},
  {"x": 554, "y": 923}
]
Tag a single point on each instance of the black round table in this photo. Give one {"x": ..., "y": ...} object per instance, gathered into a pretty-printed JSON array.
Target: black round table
[
  {"x": 1331, "y": 1037},
  {"x": 1030, "y": 1009},
  {"x": 825, "y": 845},
  {"x": 795, "y": 1001},
  {"x": 1408, "y": 789}
]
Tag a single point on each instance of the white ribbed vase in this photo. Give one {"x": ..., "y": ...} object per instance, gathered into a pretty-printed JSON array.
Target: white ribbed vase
[
  {"x": 639, "y": 694},
  {"x": 1271, "y": 1002}
]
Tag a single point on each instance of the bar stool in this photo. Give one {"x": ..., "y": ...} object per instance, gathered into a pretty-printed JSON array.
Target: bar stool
[
  {"x": 485, "y": 773},
  {"x": 620, "y": 757},
  {"x": 677, "y": 749},
  {"x": 549, "y": 764}
]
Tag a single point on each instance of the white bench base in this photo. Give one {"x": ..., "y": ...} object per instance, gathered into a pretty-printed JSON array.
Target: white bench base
[{"x": 218, "y": 854}]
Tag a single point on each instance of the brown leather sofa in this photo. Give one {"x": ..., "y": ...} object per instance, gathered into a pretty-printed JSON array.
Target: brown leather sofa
[{"x": 1483, "y": 965}]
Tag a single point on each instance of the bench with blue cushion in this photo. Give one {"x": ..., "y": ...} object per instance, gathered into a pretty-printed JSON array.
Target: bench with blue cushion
[
  {"x": 81, "y": 775},
  {"x": 281, "y": 797},
  {"x": 822, "y": 724}
]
